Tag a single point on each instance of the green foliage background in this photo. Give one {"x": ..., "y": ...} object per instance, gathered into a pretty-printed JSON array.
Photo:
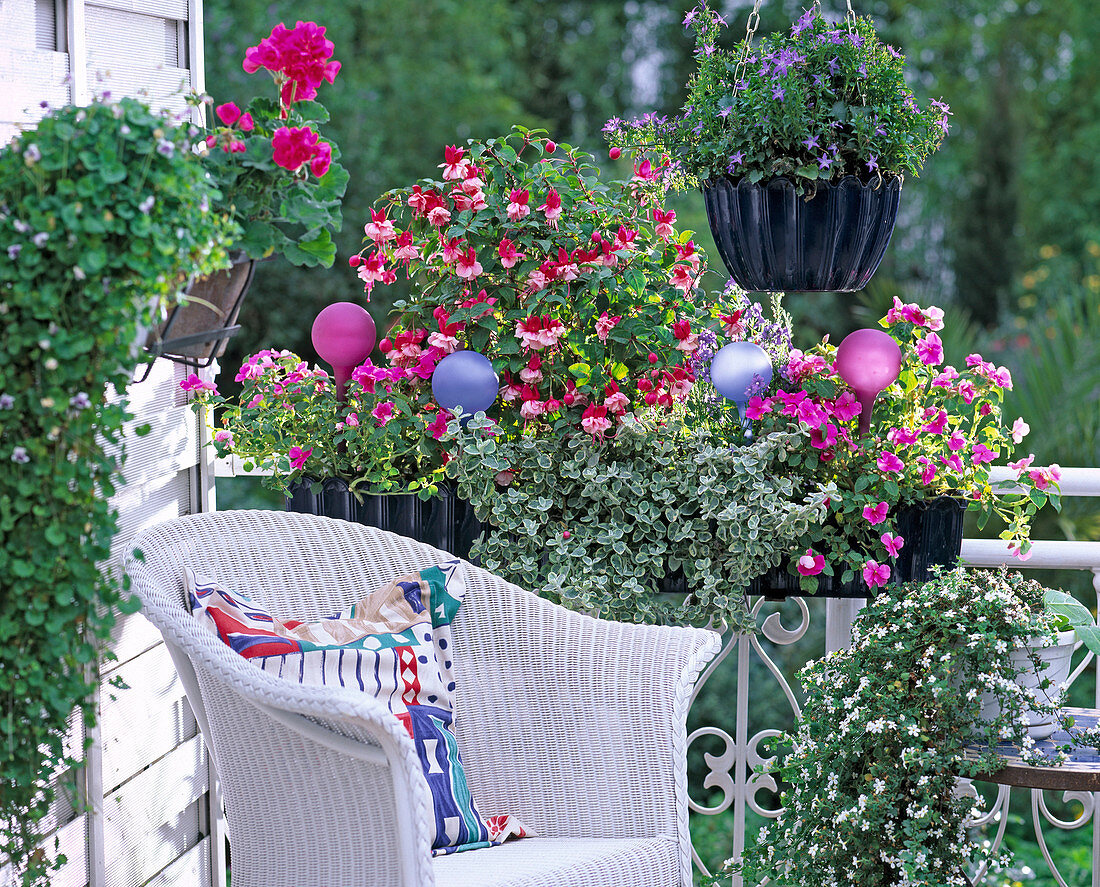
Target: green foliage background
[{"x": 1002, "y": 228}]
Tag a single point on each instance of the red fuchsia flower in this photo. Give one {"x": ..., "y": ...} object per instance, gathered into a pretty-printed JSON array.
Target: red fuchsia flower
[
  {"x": 624, "y": 238},
  {"x": 383, "y": 412},
  {"x": 508, "y": 255},
  {"x": 937, "y": 423},
  {"x": 565, "y": 268},
  {"x": 436, "y": 210},
  {"x": 1020, "y": 430},
  {"x": 1044, "y": 478},
  {"x": 811, "y": 563},
  {"x": 536, "y": 281},
  {"x": 468, "y": 266},
  {"x": 291, "y": 146},
  {"x": 876, "y": 514},
  {"x": 930, "y": 350},
  {"x": 418, "y": 201},
  {"x": 690, "y": 254},
  {"x": 687, "y": 341},
  {"x": 532, "y": 373},
  {"x": 889, "y": 462},
  {"x": 664, "y": 221},
  {"x": 454, "y": 163},
  {"x": 594, "y": 420},
  {"x": 928, "y": 473},
  {"x": 983, "y": 454},
  {"x": 228, "y": 113},
  {"x": 438, "y": 426},
  {"x": 446, "y": 338},
  {"x": 757, "y": 407},
  {"x": 893, "y": 543},
  {"x": 406, "y": 252},
  {"x": 605, "y": 324},
  {"x": 614, "y": 399},
  {"x": 875, "y": 574},
  {"x": 532, "y": 407},
  {"x": 379, "y": 228},
  {"x": 732, "y": 324},
  {"x": 682, "y": 278},
  {"x": 552, "y": 208},
  {"x": 298, "y": 57},
  {"x": 465, "y": 198},
  {"x": 452, "y": 249},
  {"x": 517, "y": 204},
  {"x": 194, "y": 383},
  {"x": 537, "y": 333},
  {"x": 298, "y": 457},
  {"x": 646, "y": 172},
  {"x": 372, "y": 271}
]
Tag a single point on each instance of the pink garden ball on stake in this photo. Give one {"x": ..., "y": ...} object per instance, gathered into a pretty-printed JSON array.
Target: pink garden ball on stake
[
  {"x": 869, "y": 361},
  {"x": 343, "y": 335}
]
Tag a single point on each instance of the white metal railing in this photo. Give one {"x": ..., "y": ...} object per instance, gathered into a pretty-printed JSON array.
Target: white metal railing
[{"x": 731, "y": 771}]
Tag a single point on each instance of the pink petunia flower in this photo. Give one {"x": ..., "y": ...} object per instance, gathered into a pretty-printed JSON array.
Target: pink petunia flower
[
  {"x": 893, "y": 543},
  {"x": 889, "y": 462},
  {"x": 982, "y": 454},
  {"x": 298, "y": 456},
  {"x": 383, "y": 412},
  {"x": 1020, "y": 430},
  {"x": 930, "y": 350},
  {"x": 875, "y": 574},
  {"x": 757, "y": 407},
  {"x": 811, "y": 563},
  {"x": 877, "y": 514}
]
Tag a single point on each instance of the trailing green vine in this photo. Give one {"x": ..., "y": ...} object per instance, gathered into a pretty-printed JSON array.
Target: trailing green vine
[{"x": 104, "y": 213}]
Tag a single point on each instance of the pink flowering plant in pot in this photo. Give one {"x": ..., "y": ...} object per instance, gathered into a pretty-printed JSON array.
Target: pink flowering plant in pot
[
  {"x": 578, "y": 291},
  {"x": 289, "y": 420},
  {"x": 934, "y": 432},
  {"x": 274, "y": 168}
]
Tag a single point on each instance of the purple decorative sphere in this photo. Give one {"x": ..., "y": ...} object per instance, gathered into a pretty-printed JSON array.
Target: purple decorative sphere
[{"x": 869, "y": 361}]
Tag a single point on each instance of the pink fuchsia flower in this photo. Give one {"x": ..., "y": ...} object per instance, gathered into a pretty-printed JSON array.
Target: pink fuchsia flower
[
  {"x": 383, "y": 412},
  {"x": 1020, "y": 430},
  {"x": 300, "y": 54},
  {"x": 552, "y": 208},
  {"x": 888, "y": 462},
  {"x": 811, "y": 563},
  {"x": 688, "y": 252},
  {"x": 683, "y": 278},
  {"x": 687, "y": 341},
  {"x": 893, "y": 543},
  {"x": 877, "y": 514},
  {"x": 228, "y": 113},
  {"x": 537, "y": 333},
  {"x": 875, "y": 574},
  {"x": 982, "y": 454},
  {"x": 194, "y": 383},
  {"x": 615, "y": 401},
  {"x": 518, "y": 204},
  {"x": 664, "y": 221},
  {"x": 454, "y": 163},
  {"x": 507, "y": 253},
  {"x": 468, "y": 266},
  {"x": 224, "y": 436},
  {"x": 298, "y": 457},
  {"x": 605, "y": 324},
  {"x": 757, "y": 407},
  {"x": 379, "y": 228},
  {"x": 594, "y": 420},
  {"x": 624, "y": 238},
  {"x": 1044, "y": 478},
  {"x": 406, "y": 251},
  {"x": 372, "y": 270},
  {"x": 452, "y": 249},
  {"x": 732, "y": 324},
  {"x": 930, "y": 350}
]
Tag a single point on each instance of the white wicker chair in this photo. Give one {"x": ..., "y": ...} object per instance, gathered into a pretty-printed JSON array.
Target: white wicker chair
[{"x": 574, "y": 724}]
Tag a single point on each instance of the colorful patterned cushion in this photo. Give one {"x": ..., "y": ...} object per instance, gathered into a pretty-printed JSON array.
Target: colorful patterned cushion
[{"x": 394, "y": 644}]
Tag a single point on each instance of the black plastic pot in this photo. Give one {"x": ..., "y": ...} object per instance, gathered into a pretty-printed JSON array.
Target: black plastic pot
[
  {"x": 444, "y": 521},
  {"x": 932, "y": 532},
  {"x": 772, "y": 240}
]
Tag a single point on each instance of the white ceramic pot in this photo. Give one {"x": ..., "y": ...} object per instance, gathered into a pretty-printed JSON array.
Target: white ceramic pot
[{"x": 1058, "y": 668}]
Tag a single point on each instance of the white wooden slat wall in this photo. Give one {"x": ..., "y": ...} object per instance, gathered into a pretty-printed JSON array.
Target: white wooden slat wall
[{"x": 144, "y": 809}]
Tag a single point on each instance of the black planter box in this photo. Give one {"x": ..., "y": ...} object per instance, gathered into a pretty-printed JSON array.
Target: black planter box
[
  {"x": 932, "y": 532},
  {"x": 773, "y": 240},
  {"x": 443, "y": 521}
]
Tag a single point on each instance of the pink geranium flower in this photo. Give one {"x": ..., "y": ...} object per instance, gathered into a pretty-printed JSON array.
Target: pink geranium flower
[
  {"x": 298, "y": 456},
  {"x": 875, "y": 574},
  {"x": 893, "y": 543},
  {"x": 301, "y": 54},
  {"x": 228, "y": 113},
  {"x": 811, "y": 563},
  {"x": 877, "y": 514}
]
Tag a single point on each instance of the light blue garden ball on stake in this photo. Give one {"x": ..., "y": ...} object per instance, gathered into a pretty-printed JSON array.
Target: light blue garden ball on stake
[
  {"x": 465, "y": 379},
  {"x": 737, "y": 371}
]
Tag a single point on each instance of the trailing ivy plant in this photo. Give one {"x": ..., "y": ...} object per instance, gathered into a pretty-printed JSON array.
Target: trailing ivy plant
[
  {"x": 597, "y": 525},
  {"x": 104, "y": 213}
]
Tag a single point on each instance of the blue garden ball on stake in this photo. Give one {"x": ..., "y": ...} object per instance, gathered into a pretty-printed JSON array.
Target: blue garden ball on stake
[
  {"x": 739, "y": 370},
  {"x": 465, "y": 379}
]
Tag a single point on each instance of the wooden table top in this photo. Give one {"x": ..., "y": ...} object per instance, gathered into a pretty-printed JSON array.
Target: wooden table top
[{"x": 1080, "y": 773}]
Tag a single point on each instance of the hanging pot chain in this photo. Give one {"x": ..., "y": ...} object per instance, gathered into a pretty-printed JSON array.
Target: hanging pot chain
[{"x": 750, "y": 32}]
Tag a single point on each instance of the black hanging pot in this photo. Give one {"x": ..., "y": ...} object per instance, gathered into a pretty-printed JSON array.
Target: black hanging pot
[
  {"x": 198, "y": 330},
  {"x": 932, "y": 531},
  {"x": 444, "y": 521},
  {"x": 773, "y": 240}
]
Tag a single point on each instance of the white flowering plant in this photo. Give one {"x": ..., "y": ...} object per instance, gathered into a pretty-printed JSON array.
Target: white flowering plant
[{"x": 871, "y": 769}]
